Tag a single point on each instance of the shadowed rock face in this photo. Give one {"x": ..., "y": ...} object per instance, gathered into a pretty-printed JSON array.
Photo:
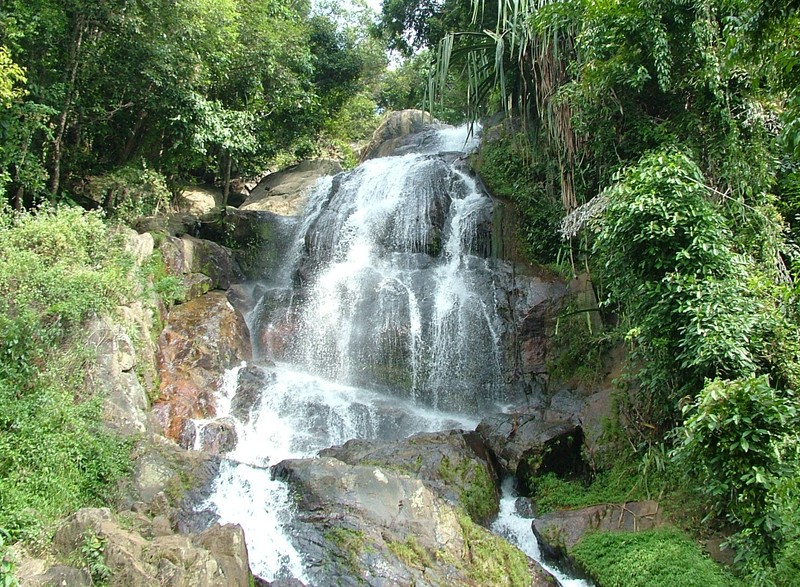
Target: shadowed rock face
[
  {"x": 201, "y": 340},
  {"x": 525, "y": 445}
]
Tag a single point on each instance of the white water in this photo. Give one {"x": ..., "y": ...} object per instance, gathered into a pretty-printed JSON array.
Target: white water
[
  {"x": 390, "y": 328},
  {"x": 517, "y": 530}
]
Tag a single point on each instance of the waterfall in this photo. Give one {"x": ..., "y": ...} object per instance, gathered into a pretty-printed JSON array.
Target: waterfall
[{"x": 382, "y": 323}]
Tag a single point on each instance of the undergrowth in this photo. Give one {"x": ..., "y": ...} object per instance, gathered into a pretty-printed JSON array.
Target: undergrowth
[
  {"x": 653, "y": 558},
  {"x": 58, "y": 266}
]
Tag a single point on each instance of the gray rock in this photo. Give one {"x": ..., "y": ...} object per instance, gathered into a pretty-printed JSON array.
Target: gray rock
[
  {"x": 112, "y": 377},
  {"x": 218, "y": 436},
  {"x": 60, "y": 576},
  {"x": 557, "y": 532},
  {"x": 525, "y": 445},
  {"x": 374, "y": 526},
  {"x": 286, "y": 192},
  {"x": 215, "y": 557},
  {"x": 391, "y": 136},
  {"x": 453, "y": 464}
]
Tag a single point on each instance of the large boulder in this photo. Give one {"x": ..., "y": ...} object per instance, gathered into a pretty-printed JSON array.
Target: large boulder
[
  {"x": 199, "y": 199},
  {"x": 525, "y": 445},
  {"x": 203, "y": 265},
  {"x": 453, "y": 464},
  {"x": 217, "y": 556},
  {"x": 370, "y": 525},
  {"x": 392, "y": 134},
  {"x": 286, "y": 192},
  {"x": 201, "y": 340}
]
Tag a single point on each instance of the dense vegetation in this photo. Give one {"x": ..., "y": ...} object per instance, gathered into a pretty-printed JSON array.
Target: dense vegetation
[
  {"x": 663, "y": 137},
  {"x": 189, "y": 90},
  {"x": 57, "y": 268}
]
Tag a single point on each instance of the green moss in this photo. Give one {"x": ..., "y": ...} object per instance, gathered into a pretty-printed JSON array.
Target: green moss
[
  {"x": 648, "y": 559},
  {"x": 478, "y": 494},
  {"x": 493, "y": 562},
  {"x": 411, "y": 553},
  {"x": 350, "y": 544}
]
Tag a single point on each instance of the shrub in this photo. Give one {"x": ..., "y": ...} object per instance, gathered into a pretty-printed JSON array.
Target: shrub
[{"x": 740, "y": 441}]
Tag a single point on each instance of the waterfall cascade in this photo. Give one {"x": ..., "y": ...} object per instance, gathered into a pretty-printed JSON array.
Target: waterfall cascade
[{"x": 382, "y": 323}]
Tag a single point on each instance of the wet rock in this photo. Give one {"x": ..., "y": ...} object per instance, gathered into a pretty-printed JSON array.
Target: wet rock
[
  {"x": 201, "y": 339},
  {"x": 557, "y": 532},
  {"x": 370, "y": 525},
  {"x": 218, "y": 436},
  {"x": 526, "y": 445},
  {"x": 390, "y": 136},
  {"x": 285, "y": 192},
  {"x": 250, "y": 384},
  {"x": 453, "y": 464}
]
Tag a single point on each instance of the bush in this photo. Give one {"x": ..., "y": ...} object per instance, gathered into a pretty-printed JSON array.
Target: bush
[
  {"x": 57, "y": 267},
  {"x": 740, "y": 441},
  {"x": 130, "y": 192},
  {"x": 648, "y": 559}
]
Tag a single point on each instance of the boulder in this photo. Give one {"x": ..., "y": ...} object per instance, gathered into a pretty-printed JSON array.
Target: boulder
[
  {"x": 452, "y": 464},
  {"x": 202, "y": 338},
  {"x": 177, "y": 224},
  {"x": 557, "y": 532},
  {"x": 250, "y": 383},
  {"x": 199, "y": 199},
  {"x": 393, "y": 132},
  {"x": 286, "y": 192},
  {"x": 202, "y": 264},
  {"x": 58, "y": 576},
  {"x": 370, "y": 525},
  {"x": 217, "y": 556},
  {"x": 525, "y": 445},
  {"x": 218, "y": 436}
]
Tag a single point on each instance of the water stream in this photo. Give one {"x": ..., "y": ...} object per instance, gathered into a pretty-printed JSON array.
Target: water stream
[{"x": 383, "y": 322}]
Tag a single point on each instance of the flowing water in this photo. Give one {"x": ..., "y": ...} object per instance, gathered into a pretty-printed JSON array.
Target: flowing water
[{"x": 382, "y": 323}]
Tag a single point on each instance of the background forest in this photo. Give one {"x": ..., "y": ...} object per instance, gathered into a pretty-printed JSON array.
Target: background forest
[{"x": 654, "y": 145}]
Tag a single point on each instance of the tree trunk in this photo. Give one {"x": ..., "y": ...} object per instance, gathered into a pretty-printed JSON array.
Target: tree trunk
[
  {"x": 72, "y": 65},
  {"x": 226, "y": 177}
]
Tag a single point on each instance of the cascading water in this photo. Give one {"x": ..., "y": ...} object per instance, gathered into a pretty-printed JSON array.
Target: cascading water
[{"x": 382, "y": 323}]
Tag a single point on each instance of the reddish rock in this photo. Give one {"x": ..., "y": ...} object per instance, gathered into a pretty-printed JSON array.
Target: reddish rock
[{"x": 202, "y": 338}]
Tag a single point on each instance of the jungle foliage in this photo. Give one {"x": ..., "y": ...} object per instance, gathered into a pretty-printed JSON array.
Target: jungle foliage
[{"x": 189, "y": 90}]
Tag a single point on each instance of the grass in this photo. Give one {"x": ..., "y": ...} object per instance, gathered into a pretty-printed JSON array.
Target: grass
[{"x": 649, "y": 559}]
